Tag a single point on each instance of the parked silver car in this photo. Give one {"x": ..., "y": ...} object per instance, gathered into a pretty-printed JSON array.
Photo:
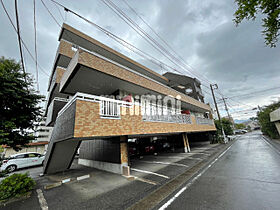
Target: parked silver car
[{"x": 22, "y": 160}]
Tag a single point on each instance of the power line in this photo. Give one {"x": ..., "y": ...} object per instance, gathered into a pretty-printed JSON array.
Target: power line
[
  {"x": 35, "y": 44},
  {"x": 19, "y": 41},
  {"x": 51, "y": 14},
  {"x": 183, "y": 61},
  {"x": 149, "y": 39},
  {"x": 252, "y": 93},
  {"x": 125, "y": 43},
  {"x": 22, "y": 41},
  {"x": 121, "y": 41}
]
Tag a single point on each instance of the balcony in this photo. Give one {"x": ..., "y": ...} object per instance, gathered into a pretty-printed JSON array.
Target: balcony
[
  {"x": 55, "y": 106},
  {"x": 204, "y": 121},
  {"x": 176, "y": 118},
  {"x": 97, "y": 116}
]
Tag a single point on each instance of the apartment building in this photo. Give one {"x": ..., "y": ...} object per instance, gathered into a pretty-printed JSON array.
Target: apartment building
[{"x": 99, "y": 99}]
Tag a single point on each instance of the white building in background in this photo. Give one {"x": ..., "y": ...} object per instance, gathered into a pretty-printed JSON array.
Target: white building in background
[{"x": 42, "y": 132}]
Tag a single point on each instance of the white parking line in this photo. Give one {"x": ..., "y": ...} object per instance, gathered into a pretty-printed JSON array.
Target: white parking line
[
  {"x": 149, "y": 172},
  {"x": 164, "y": 206},
  {"x": 179, "y": 157},
  {"x": 42, "y": 200},
  {"x": 83, "y": 177},
  {"x": 164, "y": 163},
  {"x": 199, "y": 153}
]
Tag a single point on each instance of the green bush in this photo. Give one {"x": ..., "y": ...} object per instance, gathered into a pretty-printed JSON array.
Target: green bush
[
  {"x": 227, "y": 125},
  {"x": 267, "y": 127},
  {"x": 15, "y": 185},
  {"x": 3, "y": 173}
]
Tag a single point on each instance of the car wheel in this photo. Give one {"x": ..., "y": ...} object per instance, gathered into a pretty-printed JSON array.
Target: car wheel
[{"x": 11, "y": 168}]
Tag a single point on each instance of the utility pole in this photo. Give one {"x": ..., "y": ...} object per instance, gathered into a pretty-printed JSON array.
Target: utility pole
[
  {"x": 218, "y": 113},
  {"x": 226, "y": 108}
]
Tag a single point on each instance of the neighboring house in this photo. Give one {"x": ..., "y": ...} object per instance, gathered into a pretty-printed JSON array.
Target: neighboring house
[
  {"x": 254, "y": 124},
  {"x": 186, "y": 85},
  {"x": 99, "y": 98},
  {"x": 38, "y": 147},
  {"x": 275, "y": 118}
]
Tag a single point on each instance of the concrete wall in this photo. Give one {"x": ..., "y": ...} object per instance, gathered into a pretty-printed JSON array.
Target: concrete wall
[
  {"x": 39, "y": 149},
  {"x": 277, "y": 124},
  {"x": 105, "y": 154},
  {"x": 275, "y": 117},
  {"x": 61, "y": 157}
]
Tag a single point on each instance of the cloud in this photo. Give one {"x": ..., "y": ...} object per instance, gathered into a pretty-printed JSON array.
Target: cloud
[{"x": 202, "y": 32}]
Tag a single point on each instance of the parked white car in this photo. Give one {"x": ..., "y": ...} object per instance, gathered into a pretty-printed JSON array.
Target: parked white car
[{"x": 22, "y": 160}]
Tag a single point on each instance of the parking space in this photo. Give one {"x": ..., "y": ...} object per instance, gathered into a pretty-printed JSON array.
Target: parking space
[{"x": 160, "y": 167}]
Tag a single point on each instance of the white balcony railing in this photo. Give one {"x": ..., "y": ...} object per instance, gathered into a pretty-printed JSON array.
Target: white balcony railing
[
  {"x": 204, "y": 121},
  {"x": 110, "y": 109}
]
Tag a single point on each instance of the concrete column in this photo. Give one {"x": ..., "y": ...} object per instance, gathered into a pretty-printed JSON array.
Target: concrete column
[
  {"x": 124, "y": 155},
  {"x": 186, "y": 143}
]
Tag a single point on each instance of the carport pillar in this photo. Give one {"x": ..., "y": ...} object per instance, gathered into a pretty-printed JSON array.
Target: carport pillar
[
  {"x": 186, "y": 143},
  {"x": 124, "y": 155}
]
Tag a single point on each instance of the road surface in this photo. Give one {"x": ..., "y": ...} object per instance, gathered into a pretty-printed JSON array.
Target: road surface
[{"x": 247, "y": 176}]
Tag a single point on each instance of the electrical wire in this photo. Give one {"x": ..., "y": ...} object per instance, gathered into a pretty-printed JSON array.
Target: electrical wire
[
  {"x": 35, "y": 44},
  {"x": 22, "y": 41},
  {"x": 19, "y": 41}
]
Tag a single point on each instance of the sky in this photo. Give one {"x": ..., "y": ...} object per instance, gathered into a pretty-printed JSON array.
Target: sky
[{"x": 201, "y": 32}]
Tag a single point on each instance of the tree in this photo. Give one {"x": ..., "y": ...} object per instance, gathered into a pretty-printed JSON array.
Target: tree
[
  {"x": 248, "y": 9},
  {"x": 227, "y": 125},
  {"x": 18, "y": 105},
  {"x": 267, "y": 127},
  {"x": 240, "y": 126}
]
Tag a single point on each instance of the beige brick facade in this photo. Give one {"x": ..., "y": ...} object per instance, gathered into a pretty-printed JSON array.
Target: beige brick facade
[
  {"x": 101, "y": 65},
  {"x": 59, "y": 74},
  {"x": 89, "y": 124},
  {"x": 104, "y": 66}
]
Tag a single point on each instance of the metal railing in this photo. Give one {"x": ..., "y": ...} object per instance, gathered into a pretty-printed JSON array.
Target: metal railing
[
  {"x": 172, "y": 118},
  {"x": 108, "y": 107},
  {"x": 204, "y": 121}
]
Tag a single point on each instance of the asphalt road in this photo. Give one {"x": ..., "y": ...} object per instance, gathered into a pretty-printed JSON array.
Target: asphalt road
[{"x": 247, "y": 176}]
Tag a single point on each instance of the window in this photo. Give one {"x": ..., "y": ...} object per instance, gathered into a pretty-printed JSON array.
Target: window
[
  {"x": 32, "y": 155},
  {"x": 21, "y": 156}
]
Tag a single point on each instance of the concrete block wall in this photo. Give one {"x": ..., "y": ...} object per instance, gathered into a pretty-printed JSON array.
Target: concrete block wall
[{"x": 106, "y": 150}]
